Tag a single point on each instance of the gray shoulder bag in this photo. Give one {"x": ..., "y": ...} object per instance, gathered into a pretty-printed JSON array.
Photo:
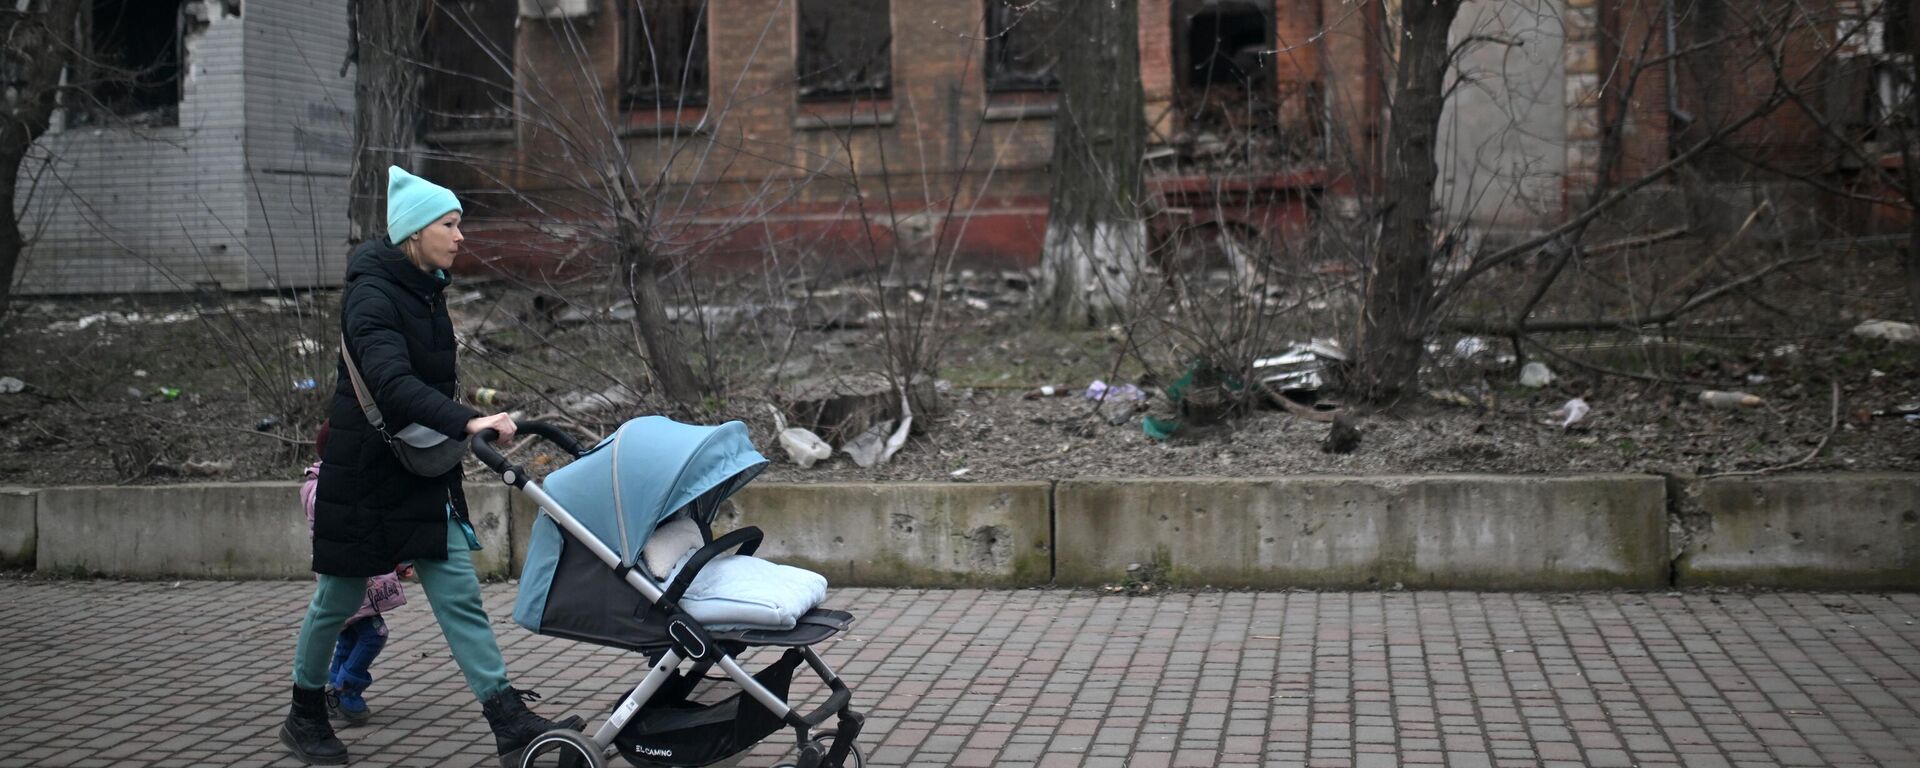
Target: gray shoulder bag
[{"x": 422, "y": 450}]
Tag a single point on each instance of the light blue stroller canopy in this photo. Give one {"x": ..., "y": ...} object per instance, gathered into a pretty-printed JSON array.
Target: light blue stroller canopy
[{"x": 620, "y": 491}]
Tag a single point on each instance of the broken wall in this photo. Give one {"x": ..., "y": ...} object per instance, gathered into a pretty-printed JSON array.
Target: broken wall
[
  {"x": 1503, "y": 134},
  {"x": 299, "y": 143},
  {"x": 243, "y": 192}
]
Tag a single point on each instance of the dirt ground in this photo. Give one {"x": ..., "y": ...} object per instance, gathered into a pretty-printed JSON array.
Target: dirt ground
[{"x": 178, "y": 389}]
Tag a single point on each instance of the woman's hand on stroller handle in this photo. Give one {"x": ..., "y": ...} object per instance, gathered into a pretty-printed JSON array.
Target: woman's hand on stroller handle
[
  {"x": 483, "y": 441},
  {"x": 499, "y": 425}
]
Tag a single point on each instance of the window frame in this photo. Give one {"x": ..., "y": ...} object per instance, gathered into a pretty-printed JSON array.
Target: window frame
[
  {"x": 998, "y": 28},
  {"x": 806, "y": 93},
  {"x": 698, "y": 59}
]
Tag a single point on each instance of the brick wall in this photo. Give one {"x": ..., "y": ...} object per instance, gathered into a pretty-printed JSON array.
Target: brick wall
[{"x": 939, "y": 141}]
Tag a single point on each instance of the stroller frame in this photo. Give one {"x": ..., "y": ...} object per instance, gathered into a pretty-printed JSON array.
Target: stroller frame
[{"x": 687, "y": 639}]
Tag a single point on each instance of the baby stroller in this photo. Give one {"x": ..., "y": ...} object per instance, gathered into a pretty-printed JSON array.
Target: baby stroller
[{"x": 585, "y": 580}]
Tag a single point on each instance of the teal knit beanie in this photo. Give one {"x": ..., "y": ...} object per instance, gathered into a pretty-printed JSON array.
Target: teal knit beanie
[{"x": 413, "y": 203}]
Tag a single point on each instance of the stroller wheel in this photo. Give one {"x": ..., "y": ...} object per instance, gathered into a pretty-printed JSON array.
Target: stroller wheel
[
  {"x": 823, "y": 741},
  {"x": 563, "y": 748}
]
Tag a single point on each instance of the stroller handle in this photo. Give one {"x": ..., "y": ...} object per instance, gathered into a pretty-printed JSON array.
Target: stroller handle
[{"x": 482, "y": 443}]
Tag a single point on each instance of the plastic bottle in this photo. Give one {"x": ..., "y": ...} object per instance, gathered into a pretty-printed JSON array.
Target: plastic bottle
[
  {"x": 489, "y": 397},
  {"x": 1729, "y": 400}
]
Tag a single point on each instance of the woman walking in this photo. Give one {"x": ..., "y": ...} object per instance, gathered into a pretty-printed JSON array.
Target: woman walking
[{"x": 370, "y": 513}]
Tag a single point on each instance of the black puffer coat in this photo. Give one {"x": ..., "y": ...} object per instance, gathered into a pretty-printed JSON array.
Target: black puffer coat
[{"x": 369, "y": 512}]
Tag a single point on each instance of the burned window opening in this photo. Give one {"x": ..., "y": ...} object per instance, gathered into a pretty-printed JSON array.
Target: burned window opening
[
  {"x": 1225, "y": 47},
  {"x": 663, "y": 54},
  {"x": 1022, "y": 45},
  {"x": 846, "y": 49},
  {"x": 469, "y": 50},
  {"x": 1224, "y": 90},
  {"x": 131, "y": 72}
]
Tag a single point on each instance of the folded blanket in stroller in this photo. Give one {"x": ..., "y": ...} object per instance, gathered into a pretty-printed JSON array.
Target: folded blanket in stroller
[{"x": 746, "y": 592}]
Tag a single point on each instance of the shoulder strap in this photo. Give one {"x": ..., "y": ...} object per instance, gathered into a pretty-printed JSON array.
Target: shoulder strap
[{"x": 367, "y": 406}]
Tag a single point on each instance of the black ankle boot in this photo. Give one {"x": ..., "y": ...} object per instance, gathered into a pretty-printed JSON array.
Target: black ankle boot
[
  {"x": 307, "y": 733},
  {"x": 515, "y": 726}
]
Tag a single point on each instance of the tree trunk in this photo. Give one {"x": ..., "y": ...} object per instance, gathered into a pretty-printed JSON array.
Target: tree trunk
[
  {"x": 1911, "y": 178},
  {"x": 1397, "y": 311},
  {"x": 35, "y": 54},
  {"x": 665, "y": 355},
  {"x": 386, "y": 97},
  {"x": 11, "y": 242},
  {"x": 1096, "y": 236}
]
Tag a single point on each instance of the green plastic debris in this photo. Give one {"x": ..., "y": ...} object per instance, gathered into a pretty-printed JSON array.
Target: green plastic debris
[
  {"x": 1163, "y": 429},
  {"x": 1159, "y": 429},
  {"x": 170, "y": 393}
]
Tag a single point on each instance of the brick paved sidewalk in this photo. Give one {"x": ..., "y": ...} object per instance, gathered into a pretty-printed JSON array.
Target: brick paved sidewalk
[{"x": 192, "y": 674}]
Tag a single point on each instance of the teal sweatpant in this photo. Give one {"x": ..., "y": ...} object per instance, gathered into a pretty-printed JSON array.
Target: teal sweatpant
[{"x": 454, "y": 591}]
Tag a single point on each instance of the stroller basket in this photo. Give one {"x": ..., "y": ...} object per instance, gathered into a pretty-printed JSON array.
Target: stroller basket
[{"x": 671, "y": 730}]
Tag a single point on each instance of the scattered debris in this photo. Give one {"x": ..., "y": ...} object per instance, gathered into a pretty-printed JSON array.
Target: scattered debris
[
  {"x": 305, "y": 385},
  {"x": 1046, "y": 390},
  {"x": 1574, "y": 412},
  {"x": 1313, "y": 409},
  {"x": 867, "y": 447},
  {"x": 899, "y": 437},
  {"x": 1535, "y": 375},
  {"x": 837, "y": 406},
  {"x": 1888, "y": 330},
  {"x": 1100, "y": 390},
  {"x": 10, "y": 385},
  {"x": 1342, "y": 437},
  {"x": 1727, "y": 401},
  {"x": 170, "y": 393},
  {"x": 616, "y": 396},
  {"x": 959, "y": 473},
  {"x": 304, "y": 346},
  {"x": 206, "y": 468},
  {"x": 1300, "y": 367},
  {"x": 1470, "y": 347},
  {"x": 1462, "y": 399},
  {"x": 118, "y": 318},
  {"x": 803, "y": 447},
  {"x": 266, "y": 425},
  {"x": 488, "y": 397},
  {"x": 139, "y": 373}
]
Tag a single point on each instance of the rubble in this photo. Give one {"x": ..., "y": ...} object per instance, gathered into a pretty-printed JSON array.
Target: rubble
[
  {"x": 1889, "y": 331},
  {"x": 802, "y": 446},
  {"x": 1730, "y": 400},
  {"x": 1535, "y": 375}
]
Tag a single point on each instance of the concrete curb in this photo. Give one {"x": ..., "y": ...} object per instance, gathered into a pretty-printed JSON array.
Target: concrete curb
[
  {"x": 1429, "y": 532},
  {"x": 1805, "y": 531},
  {"x": 19, "y": 528},
  {"x": 1476, "y": 532}
]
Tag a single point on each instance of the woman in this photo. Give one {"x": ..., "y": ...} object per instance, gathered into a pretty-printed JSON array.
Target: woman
[{"x": 370, "y": 514}]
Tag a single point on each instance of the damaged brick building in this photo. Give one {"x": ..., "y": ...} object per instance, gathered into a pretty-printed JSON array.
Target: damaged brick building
[
  {"x": 943, "y": 112},
  {"x": 840, "y": 128}
]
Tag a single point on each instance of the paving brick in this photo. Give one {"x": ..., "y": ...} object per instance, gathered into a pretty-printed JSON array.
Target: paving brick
[{"x": 1051, "y": 678}]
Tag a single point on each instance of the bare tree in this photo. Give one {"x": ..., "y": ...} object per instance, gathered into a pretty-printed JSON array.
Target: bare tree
[
  {"x": 385, "y": 51},
  {"x": 39, "y": 46},
  {"x": 1399, "y": 288},
  {"x": 1096, "y": 236}
]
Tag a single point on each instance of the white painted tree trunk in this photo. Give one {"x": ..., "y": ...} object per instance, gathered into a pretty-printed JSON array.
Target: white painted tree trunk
[{"x": 1088, "y": 275}]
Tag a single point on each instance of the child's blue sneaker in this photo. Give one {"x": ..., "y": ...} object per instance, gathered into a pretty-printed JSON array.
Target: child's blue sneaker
[{"x": 350, "y": 706}]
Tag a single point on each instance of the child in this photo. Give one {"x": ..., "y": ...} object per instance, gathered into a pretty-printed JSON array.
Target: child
[{"x": 366, "y": 632}]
